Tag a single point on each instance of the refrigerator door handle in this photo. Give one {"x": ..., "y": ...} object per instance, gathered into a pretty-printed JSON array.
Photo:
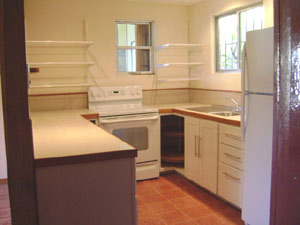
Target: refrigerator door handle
[{"x": 244, "y": 92}]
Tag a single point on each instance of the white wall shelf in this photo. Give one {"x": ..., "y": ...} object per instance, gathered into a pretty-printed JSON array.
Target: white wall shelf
[
  {"x": 75, "y": 62},
  {"x": 59, "y": 43},
  {"x": 178, "y": 64},
  {"x": 60, "y": 85},
  {"x": 59, "y": 64},
  {"x": 187, "y": 47},
  {"x": 169, "y": 45}
]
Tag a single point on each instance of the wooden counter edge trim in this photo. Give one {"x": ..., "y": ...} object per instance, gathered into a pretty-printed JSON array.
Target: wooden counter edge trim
[
  {"x": 166, "y": 89},
  {"x": 3, "y": 181},
  {"x": 208, "y": 117},
  {"x": 196, "y": 89},
  {"x": 217, "y": 90},
  {"x": 55, "y": 94},
  {"x": 130, "y": 153},
  {"x": 162, "y": 111},
  {"x": 90, "y": 116}
]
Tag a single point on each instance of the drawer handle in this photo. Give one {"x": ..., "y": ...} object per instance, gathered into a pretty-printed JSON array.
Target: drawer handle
[
  {"x": 233, "y": 136},
  {"x": 232, "y": 156},
  {"x": 226, "y": 174}
]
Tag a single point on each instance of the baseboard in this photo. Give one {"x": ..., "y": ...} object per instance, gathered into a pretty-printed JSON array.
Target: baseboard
[{"x": 3, "y": 181}]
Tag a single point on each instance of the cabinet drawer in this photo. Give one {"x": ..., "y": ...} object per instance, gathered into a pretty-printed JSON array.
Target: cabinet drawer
[
  {"x": 231, "y": 156},
  {"x": 230, "y": 184},
  {"x": 231, "y": 135}
]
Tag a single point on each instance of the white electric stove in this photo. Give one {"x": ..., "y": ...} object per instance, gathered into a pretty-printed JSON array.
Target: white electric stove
[{"x": 122, "y": 114}]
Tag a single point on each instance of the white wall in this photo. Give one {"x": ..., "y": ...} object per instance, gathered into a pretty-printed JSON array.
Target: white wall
[
  {"x": 3, "y": 168},
  {"x": 62, "y": 20},
  {"x": 269, "y": 13},
  {"x": 202, "y": 30}
]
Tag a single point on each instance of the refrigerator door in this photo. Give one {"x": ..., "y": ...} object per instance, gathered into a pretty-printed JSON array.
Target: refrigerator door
[
  {"x": 259, "y": 57},
  {"x": 258, "y": 160}
]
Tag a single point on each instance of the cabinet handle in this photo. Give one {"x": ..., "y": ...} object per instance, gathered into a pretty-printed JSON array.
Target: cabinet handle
[
  {"x": 199, "y": 147},
  {"x": 195, "y": 144},
  {"x": 232, "y": 156},
  {"x": 226, "y": 174},
  {"x": 233, "y": 136}
]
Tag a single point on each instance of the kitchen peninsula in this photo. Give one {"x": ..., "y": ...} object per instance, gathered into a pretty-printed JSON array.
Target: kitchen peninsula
[{"x": 84, "y": 174}]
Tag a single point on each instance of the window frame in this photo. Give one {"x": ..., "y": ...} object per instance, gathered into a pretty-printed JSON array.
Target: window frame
[
  {"x": 238, "y": 13},
  {"x": 150, "y": 48}
]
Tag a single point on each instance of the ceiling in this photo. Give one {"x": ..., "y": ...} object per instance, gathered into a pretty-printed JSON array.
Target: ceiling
[{"x": 175, "y": 2}]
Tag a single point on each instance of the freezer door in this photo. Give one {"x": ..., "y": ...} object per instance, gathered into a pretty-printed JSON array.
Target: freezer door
[
  {"x": 258, "y": 160},
  {"x": 259, "y": 60}
]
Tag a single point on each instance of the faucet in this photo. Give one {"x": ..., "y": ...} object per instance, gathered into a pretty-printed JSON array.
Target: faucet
[{"x": 237, "y": 107}]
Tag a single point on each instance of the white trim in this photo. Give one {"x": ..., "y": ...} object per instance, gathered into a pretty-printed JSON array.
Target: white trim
[{"x": 150, "y": 48}]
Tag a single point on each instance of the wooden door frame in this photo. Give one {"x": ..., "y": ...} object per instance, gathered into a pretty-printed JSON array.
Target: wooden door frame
[
  {"x": 285, "y": 197},
  {"x": 17, "y": 124}
]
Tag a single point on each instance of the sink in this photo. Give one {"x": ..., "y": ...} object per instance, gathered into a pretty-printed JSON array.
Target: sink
[
  {"x": 216, "y": 110},
  {"x": 226, "y": 114},
  {"x": 212, "y": 108}
]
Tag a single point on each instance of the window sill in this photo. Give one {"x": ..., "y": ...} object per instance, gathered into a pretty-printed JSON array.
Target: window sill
[
  {"x": 230, "y": 72},
  {"x": 141, "y": 74}
]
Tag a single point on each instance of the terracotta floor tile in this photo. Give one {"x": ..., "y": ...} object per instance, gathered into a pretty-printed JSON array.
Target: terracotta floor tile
[
  {"x": 151, "y": 221},
  {"x": 145, "y": 211},
  {"x": 211, "y": 220},
  {"x": 190, "y": 222},
  {"x": 164, "y": 187},
  {"x": 174, "y": 217},
  {"x": 152, "y": 198},
  {"x": 145, "y": 190},
  {"x": 191, "y": 201},
  {"x": 157, "y": 182},
  {"x": 174, "y": 194},
  {"x": 184, "y": 202},
  {"x": 198, "y": 211},
  {"x": 161, "y": 207}
]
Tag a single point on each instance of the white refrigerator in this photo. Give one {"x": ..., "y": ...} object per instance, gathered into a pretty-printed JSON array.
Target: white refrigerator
[{"x": 257, "y": 125}]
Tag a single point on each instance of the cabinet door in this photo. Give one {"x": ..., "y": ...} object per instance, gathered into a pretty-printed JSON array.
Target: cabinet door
[
  {"x": 191, "y": 140},
  {"x": 209, "y": 154}
]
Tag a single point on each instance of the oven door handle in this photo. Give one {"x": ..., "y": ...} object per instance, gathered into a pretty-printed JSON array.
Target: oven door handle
[{"x": 107, "y": 121}]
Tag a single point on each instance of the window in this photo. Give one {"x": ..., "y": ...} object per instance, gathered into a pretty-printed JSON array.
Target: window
[
  {"x": 231, "y": 32},
  {"x": 134, "y": 46}
]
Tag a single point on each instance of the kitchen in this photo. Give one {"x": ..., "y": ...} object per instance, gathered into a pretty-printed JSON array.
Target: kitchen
[{"x": 213, "y": 88}]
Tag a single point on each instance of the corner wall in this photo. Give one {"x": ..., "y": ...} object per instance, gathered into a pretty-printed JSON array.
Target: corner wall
[{"x": 62, "y": 20}]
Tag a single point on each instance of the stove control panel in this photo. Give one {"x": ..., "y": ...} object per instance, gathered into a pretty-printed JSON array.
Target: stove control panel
[{"x": 121, "y": 93}]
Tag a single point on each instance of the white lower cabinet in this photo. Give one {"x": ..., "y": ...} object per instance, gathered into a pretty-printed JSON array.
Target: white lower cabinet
[
  {"x": 214, "y": 157},
  {"x": 229, "y": 185},
  {"x": 201, "y": 152},
  {"x": 231, "y": 164}
]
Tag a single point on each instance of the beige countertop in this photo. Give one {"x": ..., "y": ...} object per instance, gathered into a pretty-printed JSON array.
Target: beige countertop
[
  {"x": 181, "y": 108},
  {"x": 62, "y": 137}
]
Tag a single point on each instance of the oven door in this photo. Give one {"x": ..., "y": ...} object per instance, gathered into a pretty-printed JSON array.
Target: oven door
[{"x": 141, "y": 131}]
